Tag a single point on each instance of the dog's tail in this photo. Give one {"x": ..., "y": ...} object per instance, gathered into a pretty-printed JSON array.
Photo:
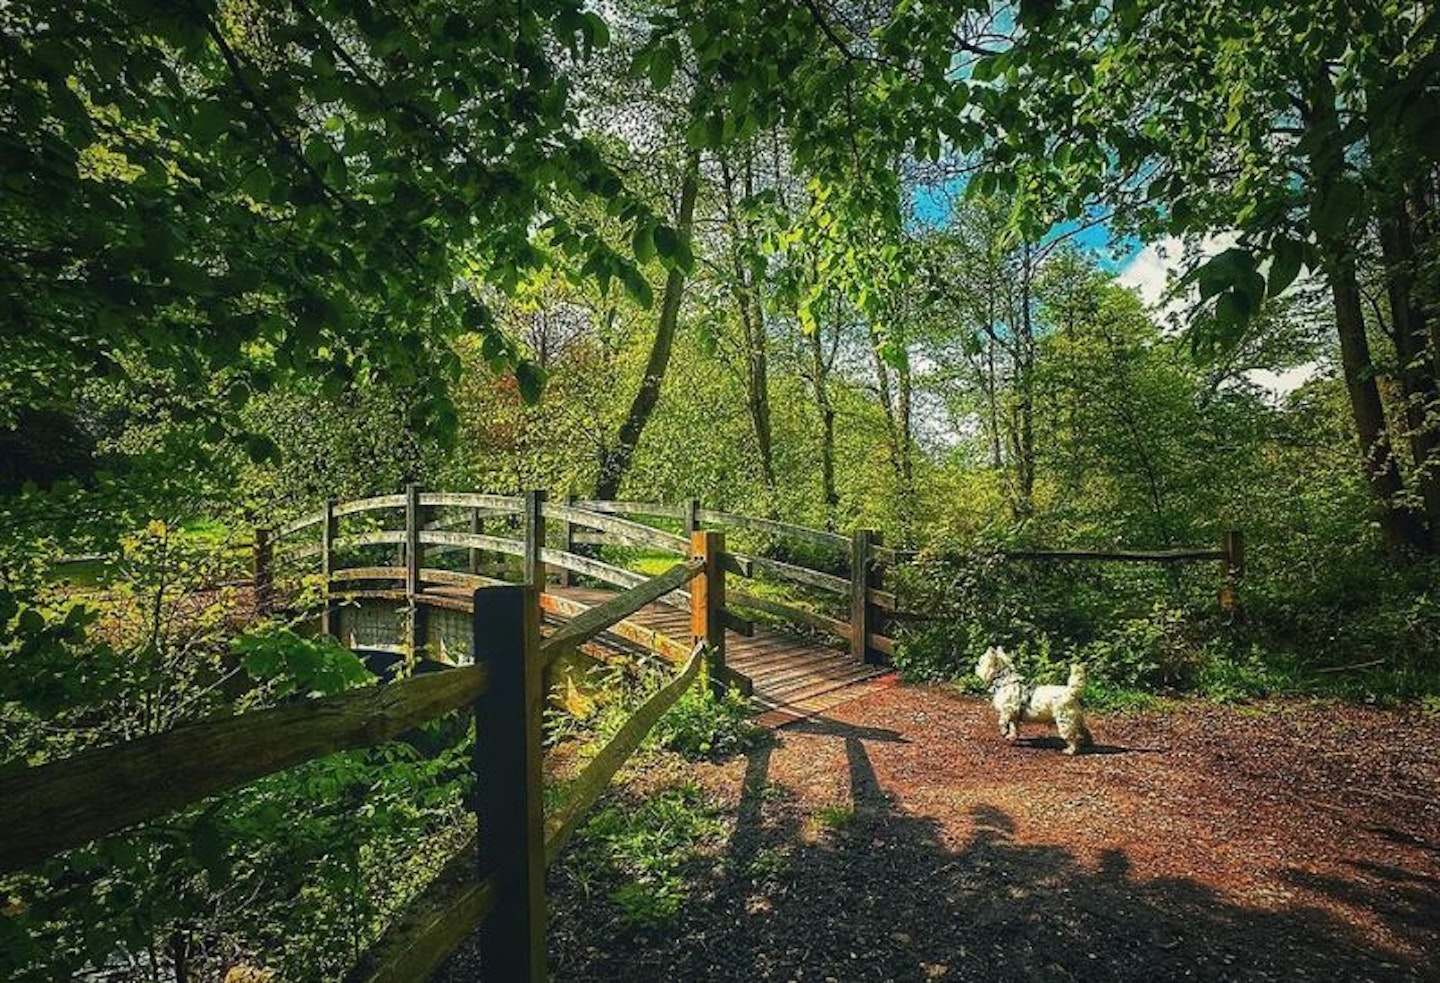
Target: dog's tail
[{"x": 1077, "y": 678}]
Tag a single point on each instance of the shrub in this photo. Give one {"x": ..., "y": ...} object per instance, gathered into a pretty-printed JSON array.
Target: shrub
[{"x": 702, "y": 725}]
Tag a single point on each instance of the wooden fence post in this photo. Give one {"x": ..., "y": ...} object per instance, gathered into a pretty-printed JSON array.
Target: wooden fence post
[
  {"x": 416, "y": 634},
  {"x": 567, "y": 529},
  {"x": 329, "y": 532},
  {"x": 692, "y": 516},
  {"x": 862, "y": 578},
  {"x": 264, "y": 573},
  {"x": 1232, "y": 567},
  {"x": 707, "y": 604},
  {"x": 535, "y": 538},
  {"x": 477, "y": 527},
  {"x": 509, "y": 809}
]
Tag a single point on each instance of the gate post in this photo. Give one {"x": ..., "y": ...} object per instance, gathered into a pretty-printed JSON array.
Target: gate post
[
  {"x": 707, "y": 604},
  {"x": 862, "y": 612},
  {"x": 509, "y": 809},
  {"x": 329, "y": 532},
  {"x": 692, "y": 516}
]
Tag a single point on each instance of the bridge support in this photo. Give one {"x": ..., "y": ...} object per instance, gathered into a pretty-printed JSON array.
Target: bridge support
[
  {"x": 535, "y": 538},
  {"x": 416, "y": 629},
  {"x": 509, "y": 809},
  {"x": 1232, "y": 567},
  {"x": 863, "y": 577},
  {"x": 707, "y": 604}
]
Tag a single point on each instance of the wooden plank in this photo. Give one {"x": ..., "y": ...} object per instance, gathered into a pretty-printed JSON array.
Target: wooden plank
[
  {"x": 644, "y": 636},
  {"x": 633, "y": 508},
  {"x": 595, "y": 620},
  {"x": 790, "y": 612},
  {"x": 432, "y": 926},
  {"x": 470, "y": 540},
  {"x": 509, "y": 805},
  {"x": 632, "y": 532},
  {"x": 776, "y": 528},
  {"x": 295, "y": 525},
  {"x": 329, "y": 532},
  {"x": 455, "y": 578},
  {"x": 370, "y": 504},
  {"x": 393, "y": 537},
  {"x": 512, "y": 504},
  {"x": 797, "y": 574},
  {"x": 882, "y": 599},
  {"x": 55, "y": 806},
  {"x": 587, "y": 789},
  {"x": 609, "y": 574},
  {"x": 859, "y": 586},
  {"x": 367, "y": 573},
  {"x": 881, "y": 643}
]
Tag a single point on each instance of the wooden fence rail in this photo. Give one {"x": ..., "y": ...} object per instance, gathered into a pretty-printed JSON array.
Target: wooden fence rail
[{"x": 65, "y": 803}]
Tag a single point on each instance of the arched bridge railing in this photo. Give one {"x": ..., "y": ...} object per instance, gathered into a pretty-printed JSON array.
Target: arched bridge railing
[{"x": 420, "y": 551}]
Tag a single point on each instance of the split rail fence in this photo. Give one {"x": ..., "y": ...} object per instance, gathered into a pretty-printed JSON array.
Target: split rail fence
[{"x": 497, "y": 886}]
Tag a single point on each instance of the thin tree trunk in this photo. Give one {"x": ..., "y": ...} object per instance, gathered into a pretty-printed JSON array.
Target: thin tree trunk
[
  {"x": 615, "y": 461},
  {"x": 820, "y": 383},
  {"x": 751, "y": 313}
]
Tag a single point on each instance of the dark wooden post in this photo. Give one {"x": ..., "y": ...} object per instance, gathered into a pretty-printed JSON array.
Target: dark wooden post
[
  {"x": 329, "y": 532},
  {"x": 264, "y": 573},
  {"x": 567, "y": 528},
  {"x": 862, "y": 578},
  {"x": 707, "y": 603},
  {"x": 509, "y": 810},
  {"x": 692, "y": 516},
  {"x": 535, "y": 538},
  {"x": 477, "y": 527},
  {"x": 414, "y": 560},
  {"x": 1232, "y": 567}
]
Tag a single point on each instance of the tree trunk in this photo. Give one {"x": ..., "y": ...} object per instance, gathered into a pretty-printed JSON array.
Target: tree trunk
[
  {"x": 615, "y": 461},
  {"x": 746, "y": 293},
  {"x": 1417, "y": 374},
  {"x": 820, "y": 383},
  {"x": 1400, "y": 525}
]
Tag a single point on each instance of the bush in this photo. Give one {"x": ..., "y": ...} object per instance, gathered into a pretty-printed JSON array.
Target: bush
[{"x": 702, "y": 725}]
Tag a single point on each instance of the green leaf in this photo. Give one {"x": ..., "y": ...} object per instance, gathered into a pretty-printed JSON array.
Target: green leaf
[
  {"x": 662, "y": 67},
  {"x": 1285, "y": 265},
  {"x": 642, "y": 242},
  {"x": 530, "y": 376},
  {"x": 667, "y": 242}
]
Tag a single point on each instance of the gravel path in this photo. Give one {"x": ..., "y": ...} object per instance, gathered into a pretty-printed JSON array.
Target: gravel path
[{"x": 899, "y": 838}]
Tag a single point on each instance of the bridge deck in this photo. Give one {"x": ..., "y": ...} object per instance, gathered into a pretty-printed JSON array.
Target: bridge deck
[{"x": 794, "y": 677}]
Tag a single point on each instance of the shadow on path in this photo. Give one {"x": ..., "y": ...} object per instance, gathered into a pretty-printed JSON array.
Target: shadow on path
[{"x": 885, "y": 898}]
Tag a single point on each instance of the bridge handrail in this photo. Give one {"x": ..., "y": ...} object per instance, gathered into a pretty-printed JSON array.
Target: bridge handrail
[
  {"x": 619, "y": 507},
  {"x": 635, "y": 532},
  {"x": 587, "y": 625},
  {"x": 775, "y": 527},
  {"x": 52, "y": 807}
]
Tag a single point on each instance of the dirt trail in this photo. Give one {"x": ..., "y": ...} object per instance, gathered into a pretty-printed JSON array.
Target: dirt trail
[{"x": 1288, "y": 842}]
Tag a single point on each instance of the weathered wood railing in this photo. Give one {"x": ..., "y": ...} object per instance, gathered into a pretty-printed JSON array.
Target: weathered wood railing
[
  {"x": 498, "y": 887},
  {"x": 583, "y": 525}
]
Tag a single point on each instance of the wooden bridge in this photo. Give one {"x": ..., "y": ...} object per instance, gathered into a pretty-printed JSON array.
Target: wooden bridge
[
  {"x": 395, "y": 571},
  {"x": 481, "y": 599}
]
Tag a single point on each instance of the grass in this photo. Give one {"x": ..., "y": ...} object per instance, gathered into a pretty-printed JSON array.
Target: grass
[
  {"x": 835, "y": 817},
  {"x": 637, "y": 849}
]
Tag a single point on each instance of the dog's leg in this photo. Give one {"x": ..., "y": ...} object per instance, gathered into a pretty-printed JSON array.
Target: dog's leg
[
  {"x": 1008, "y": 729},
  {"x": 1086, "y": 738},
  {"x": 1070, "y": 725}
]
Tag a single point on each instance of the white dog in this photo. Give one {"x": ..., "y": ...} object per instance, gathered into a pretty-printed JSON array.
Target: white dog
[{"x": 1017, "y": 701}]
